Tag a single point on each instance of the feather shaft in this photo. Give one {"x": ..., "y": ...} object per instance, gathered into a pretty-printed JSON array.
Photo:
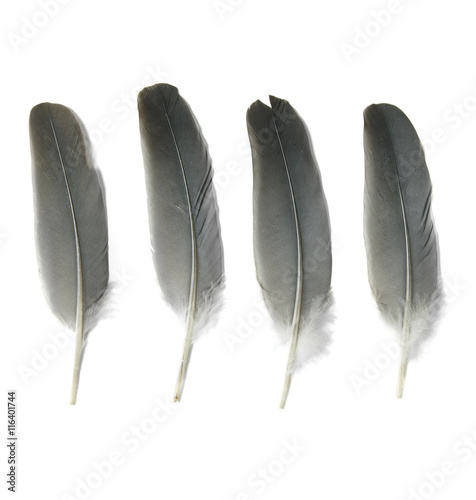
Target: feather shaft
[
  {"x": 79, "y": 279},
  {"x": 183, "y": 213},
  {"x": 406, "y": 326},
  {"x": 298, "y": 300},
  {"x": 400, "y": 238},
  {"x": 291, "y": 232},
  {"x": 70, "y": 221},
  {"x": 192, "y": 302}
]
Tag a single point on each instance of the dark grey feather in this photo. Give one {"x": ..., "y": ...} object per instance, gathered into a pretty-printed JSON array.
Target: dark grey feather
[
  {"x": 183, "y": 212},
  {"x": 292, "y": 244},
  {"x": 70, "y": 217},
  {"x": 400, "y": 237}
]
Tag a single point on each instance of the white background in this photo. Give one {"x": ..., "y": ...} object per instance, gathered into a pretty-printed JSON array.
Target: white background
[{"x": 354, "y": 442}]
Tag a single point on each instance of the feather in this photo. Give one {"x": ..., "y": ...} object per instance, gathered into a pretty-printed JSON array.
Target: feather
[
  {"x": 70, "y": 221},
  {"x": 400, "y": 237},
  {"x": 292, "y": 244},
  {"x": 183, "y": 213}
]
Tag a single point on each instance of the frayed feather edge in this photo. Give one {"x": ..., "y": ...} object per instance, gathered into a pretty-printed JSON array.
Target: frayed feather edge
[
  {"x": 208, "y": 308},
  {"x": 315, "y": 332},
  {"x": 423, "y": 320},
  {"x": 209, "y": 305},
  {"x": 424, "y": 317},
  {"x": 101, "y": 309}
]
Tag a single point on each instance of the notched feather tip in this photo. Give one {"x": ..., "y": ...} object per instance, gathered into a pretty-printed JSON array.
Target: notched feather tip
[{"x": 292, "y": 244}]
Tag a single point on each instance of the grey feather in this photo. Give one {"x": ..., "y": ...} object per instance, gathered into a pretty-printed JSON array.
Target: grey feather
[
  {"x": 292, "y": 243},
  {"x": 70, "y": 220},
  {"x": 183, "y": 211},
  {"x": 400, "y": 237}
]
